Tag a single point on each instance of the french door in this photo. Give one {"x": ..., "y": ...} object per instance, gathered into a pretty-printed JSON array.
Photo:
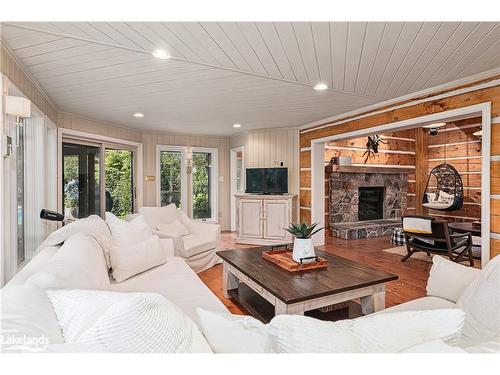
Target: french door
[
  {"x": 188, "y": 178},
  {"x": 97, "y": 177}
]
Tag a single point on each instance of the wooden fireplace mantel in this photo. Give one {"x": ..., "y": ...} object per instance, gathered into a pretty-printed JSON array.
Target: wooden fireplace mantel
[{"x": 370, "y": 169}]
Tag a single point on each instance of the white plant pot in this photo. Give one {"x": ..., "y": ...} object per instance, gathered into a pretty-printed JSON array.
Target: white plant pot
[{"x": 303, "y": 248}]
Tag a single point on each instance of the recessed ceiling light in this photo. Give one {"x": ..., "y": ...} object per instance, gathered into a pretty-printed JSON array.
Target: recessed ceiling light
[
  {"x": 236, "y": 125},
  {"x": 138, "y": 115},
  {"x": 320, "y": 86},
  {"x": 161, "y": 54},
  {"x": 435, "y": 125}
]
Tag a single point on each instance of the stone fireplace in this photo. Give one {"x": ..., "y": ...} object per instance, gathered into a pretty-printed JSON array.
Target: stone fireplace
[{"x": 366, "y": 201}]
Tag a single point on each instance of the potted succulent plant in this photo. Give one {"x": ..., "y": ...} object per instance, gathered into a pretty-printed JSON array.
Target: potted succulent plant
[{"x": 303, "y": 243}]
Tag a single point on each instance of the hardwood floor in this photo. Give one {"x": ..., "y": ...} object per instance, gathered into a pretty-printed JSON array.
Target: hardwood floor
[{"x": 412, "y": 274}]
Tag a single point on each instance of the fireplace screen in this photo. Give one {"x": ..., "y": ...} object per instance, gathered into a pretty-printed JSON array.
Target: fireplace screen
[{"x": 371, "y": 203}]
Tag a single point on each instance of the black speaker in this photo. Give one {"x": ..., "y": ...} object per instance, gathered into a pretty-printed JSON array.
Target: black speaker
[{"x": 51, "y": 215}]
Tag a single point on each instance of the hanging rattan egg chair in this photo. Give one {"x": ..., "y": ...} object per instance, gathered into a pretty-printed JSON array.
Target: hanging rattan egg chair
[{"x": 448, "y": 195}]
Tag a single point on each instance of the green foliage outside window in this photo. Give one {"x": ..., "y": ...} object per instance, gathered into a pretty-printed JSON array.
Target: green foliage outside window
[
  {"x": 118, "y": 181},
  {"x": 201, "y": 186}
]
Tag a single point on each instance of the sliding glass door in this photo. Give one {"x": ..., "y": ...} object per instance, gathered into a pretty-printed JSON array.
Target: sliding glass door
[
  {"x": 97, "y": 178},
  {"x": 188, "y": 178},
  {"x": 81, "y": 193}
]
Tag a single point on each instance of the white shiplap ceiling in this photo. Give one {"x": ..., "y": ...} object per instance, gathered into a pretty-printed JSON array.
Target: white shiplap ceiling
[{"x": 257, "y": 74}]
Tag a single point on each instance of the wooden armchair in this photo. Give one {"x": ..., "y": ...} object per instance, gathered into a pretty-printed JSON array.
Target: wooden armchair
[{"x": 436, "y": 239}]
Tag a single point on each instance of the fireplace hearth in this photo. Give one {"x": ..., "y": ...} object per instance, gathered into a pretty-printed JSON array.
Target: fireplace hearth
[{"x": 371, "y": 203}]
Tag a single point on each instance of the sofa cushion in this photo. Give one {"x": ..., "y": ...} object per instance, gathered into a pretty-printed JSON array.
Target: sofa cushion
[
  {"x": 155, "y": 216},
  {"x": 481, "y": 303},
  {"x": 369, "y": 334},
  {"x": 27, "y": 316},
  {"x": 92, "y": 226},
  {"x": 192, "y": 244},
  {"x": 78, "y": 264},
  {"x": 424, "y": 303},
  {"x": 448, "y": 279},
  {"x": 39, "y": 260},
  {"x": 434, "y": 346},
  {"x": 125, "y": 322},
  {"x": 129, "y": 260},
  {"x": 228, "y": 333},
  {"x": 127, "y": 233},
  {"x": 177, "y": 282}
]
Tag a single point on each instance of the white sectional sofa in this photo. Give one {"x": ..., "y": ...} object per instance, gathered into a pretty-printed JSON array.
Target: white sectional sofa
[{"x": 23, "y": 313}]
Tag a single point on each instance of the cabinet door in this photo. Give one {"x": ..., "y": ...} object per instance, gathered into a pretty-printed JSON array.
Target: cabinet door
[
  {"x": 276, "y": 217},
  {"x": 250, "y": 218}
]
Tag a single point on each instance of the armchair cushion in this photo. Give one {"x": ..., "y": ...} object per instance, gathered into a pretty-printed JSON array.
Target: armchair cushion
[
  {"x": 448, "y": 279},
  {"x": 155, "y": 216},
  {"x": 175, "y": 228},
  {"x": 191, "y": 245}
]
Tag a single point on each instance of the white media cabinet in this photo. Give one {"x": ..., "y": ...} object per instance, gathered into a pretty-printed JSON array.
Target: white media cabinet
[{"x": 260, "y": 219}]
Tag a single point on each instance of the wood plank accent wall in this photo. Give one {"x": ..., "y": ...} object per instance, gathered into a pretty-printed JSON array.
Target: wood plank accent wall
[
  {"x": 456, "y": 141},
  {"x": 429, "y": 106},
  {"x": 16, "y": 74}
]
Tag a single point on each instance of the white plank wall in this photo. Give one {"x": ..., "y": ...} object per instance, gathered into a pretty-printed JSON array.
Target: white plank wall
[{"x": 265, "y": 147}]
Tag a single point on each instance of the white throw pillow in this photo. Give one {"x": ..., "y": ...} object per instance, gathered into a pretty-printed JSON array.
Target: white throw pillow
[
  {"x": 155, "y": 216},
  {"x": 78, "y": 264},
  {"x": 127, "y": 233},
  {"x": 481, "y": 303},
  {"x": 448, "y": 279},
  {"x": 28, "y": 320},
  {"x": 175, "y": 228},
  {"x": 379, "y": 333},
  {"x": 227, "y": 333},
  {"x": 125, "y": 322},
  {"x": 127, "y": 261}
]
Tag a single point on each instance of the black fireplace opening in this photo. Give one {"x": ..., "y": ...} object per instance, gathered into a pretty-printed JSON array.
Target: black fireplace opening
[{"x": 371, "y": 203}]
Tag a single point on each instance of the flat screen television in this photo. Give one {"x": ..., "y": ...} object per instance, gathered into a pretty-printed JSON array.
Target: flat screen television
[{"x": 267, "y": 180}]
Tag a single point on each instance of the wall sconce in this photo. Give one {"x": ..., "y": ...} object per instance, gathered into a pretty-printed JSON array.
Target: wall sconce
[
  {"x": 19, "y": 107},
  {"x": 189, "y": 160}
]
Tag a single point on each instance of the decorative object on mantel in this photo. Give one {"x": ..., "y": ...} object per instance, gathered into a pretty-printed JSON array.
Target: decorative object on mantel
[
  {"x": 372, "y": 145},
  {"x": 283, "y": 258},
  {"x": 303, "y": 248}
]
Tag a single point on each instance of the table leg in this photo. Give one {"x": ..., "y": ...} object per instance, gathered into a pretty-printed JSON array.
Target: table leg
[
  {"x": 373, "y": 303},
  {"x": 282, "y": 308},
  {"x": 229, "y": 281}
]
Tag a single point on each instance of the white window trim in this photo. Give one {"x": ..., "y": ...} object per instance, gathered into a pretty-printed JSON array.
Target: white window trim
[{"x": 186, "y": 181}]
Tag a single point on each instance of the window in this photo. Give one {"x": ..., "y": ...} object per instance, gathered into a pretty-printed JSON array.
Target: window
[
  {"x": 170, "y": 179},
  {"x": 187, "y": 177},
  {"x": 119, "y": 182}
]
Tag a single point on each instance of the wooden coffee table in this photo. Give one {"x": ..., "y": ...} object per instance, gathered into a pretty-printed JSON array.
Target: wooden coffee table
[{"x": 297, "y": 292}]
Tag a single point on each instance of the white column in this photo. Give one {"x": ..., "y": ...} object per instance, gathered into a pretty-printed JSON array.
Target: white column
[{"x": 318, "y": 190}]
